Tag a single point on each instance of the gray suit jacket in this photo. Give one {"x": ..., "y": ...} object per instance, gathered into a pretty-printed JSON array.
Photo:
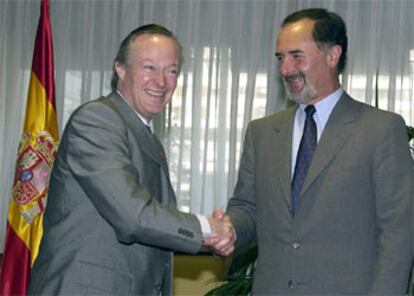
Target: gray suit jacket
[
  {"x": 351, "y": 231},
  {"x": 111, "y": 220}
]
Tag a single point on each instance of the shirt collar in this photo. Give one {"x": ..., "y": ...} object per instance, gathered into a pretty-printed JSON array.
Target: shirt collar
[
  {"x": 145, "y": 121},
  {"x": 325, "y": 106}
]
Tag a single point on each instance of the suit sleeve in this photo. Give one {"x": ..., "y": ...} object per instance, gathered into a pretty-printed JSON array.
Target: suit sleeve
[
  {"x": 97, "y": 153},
  {"x": 393, "y": 185},
  {"x": 242, "y": 206}
]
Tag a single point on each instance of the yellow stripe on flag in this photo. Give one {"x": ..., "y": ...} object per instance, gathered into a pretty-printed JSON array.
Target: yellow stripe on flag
[
  {"x": 40, "y": 113},
  {"x": 36, "y": 154},
  {"x": 29, "y": 233}
]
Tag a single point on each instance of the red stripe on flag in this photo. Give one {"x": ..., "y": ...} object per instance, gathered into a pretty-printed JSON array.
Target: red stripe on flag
[
  {"x": 16, "y": 269},
  {"x": 43, "y": 53}
]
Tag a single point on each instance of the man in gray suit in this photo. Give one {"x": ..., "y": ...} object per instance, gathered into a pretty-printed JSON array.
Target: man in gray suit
[
  {"x": 345, "y": 229},
  {"x": 111, "y": 221}
]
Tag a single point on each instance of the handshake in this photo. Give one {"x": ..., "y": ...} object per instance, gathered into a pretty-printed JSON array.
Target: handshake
[{"x": 223, "y": 236}]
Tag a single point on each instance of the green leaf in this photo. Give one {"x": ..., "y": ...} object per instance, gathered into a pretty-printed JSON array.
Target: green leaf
[
  {"x": 410, "y": 133},
  {"x": 238, "y": 279}
]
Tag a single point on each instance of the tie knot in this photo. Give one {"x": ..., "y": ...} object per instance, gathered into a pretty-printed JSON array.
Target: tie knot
[{"x": 310, "y": 109}]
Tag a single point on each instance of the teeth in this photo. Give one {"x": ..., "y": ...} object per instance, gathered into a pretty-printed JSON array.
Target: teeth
[{"x": 155, "y": 93}]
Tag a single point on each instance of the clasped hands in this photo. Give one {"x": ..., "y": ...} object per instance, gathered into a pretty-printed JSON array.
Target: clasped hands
[{"x": 222, "y": 238}]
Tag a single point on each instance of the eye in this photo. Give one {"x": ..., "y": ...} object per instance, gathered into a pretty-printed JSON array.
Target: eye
[
  {"x": 172, "y": 71},
  {"x": 278, "y": 57},
  {"x": 297, "y": 55},
  {"x": 148, "y": 67}
]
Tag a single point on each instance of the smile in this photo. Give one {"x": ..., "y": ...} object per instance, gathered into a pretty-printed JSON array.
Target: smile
[
  {"x": 294, "y": 77},
  {"x": 155, "y": 93},
  {"x": 295, "y": 81}
]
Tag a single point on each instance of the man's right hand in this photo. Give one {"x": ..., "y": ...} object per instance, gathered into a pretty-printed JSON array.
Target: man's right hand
[{"x": 223, "y": 236}]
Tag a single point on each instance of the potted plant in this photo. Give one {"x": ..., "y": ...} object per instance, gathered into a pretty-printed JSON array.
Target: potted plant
[
  {"x": 410, "y": 132},
  {"x": 238, "y": 278}
]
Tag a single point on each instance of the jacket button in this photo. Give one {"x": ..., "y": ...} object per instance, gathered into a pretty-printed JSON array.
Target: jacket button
[
  {"x": 295, "y": 245},
  {"x": 290, "y": 284}
]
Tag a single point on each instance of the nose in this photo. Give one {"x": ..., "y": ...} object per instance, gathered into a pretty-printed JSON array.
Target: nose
[
  {"x": 286, "y": 66},
  {"x": 160, "y": 79}
]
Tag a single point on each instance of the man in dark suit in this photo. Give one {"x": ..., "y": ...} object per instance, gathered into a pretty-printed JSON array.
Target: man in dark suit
[
  {"x": 325, "y": 190},
  {"x": 111, "y": 221}
]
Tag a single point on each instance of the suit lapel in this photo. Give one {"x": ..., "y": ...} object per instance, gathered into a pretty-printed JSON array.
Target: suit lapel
[
  {"x": 335, "y": 135},
  {"x": 150, "y": 145},
  {"x": 283, "y": 128}
]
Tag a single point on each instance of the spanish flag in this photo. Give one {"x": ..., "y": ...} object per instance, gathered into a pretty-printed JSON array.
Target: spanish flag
[{"x": 37, "y": 150}]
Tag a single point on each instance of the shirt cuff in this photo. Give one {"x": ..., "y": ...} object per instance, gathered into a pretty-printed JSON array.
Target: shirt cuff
[{"x": 205, "y": 226}]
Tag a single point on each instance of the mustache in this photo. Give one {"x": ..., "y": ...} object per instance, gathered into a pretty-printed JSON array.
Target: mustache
[{"x": 289, "y": 78}]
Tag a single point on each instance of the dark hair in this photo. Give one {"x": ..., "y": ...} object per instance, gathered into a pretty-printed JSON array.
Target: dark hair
[
  {"x": 329, "y": 29},
  {"x": 124, "y": 49}
]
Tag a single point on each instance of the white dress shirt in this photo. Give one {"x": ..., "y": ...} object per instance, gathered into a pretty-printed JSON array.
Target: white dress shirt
[{"x": 323, "y": 111}]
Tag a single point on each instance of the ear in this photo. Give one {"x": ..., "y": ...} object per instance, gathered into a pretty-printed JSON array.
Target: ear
[
  {"x": 120, "y": 70},
  {"x": 333, "y": 56}
]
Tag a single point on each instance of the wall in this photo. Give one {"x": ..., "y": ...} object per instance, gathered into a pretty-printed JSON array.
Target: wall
[{"x": 195, "y": 275}]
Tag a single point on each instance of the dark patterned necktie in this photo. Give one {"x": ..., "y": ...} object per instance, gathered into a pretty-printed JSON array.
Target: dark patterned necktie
[
  {"x": 305, "y": 154},
  {"x": 148, "y": 128}
]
